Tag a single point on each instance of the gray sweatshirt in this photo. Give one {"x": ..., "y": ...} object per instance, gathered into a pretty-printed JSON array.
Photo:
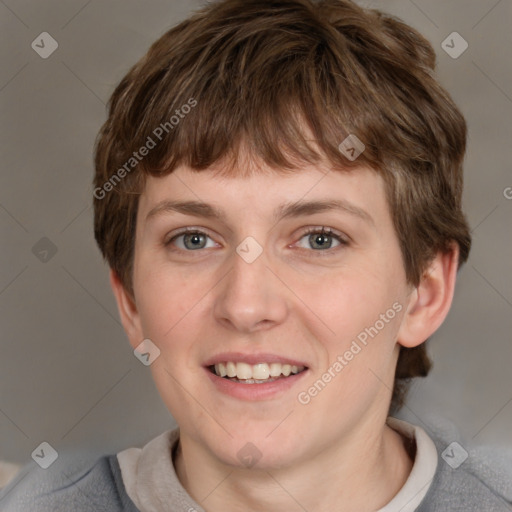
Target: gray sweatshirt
[{"x": 483, "y": 483}]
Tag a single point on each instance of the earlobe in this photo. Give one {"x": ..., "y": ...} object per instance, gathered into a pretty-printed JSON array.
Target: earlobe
[
  {"x": 127, "y": 310},
  {"x": 430, "y": 301}
]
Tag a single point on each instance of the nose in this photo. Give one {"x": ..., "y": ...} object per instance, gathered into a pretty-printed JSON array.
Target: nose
[{"x": 250, "y": 297}]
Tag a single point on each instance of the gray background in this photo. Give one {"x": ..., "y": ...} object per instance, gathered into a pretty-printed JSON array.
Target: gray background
[{"x": 68, "y": 375}]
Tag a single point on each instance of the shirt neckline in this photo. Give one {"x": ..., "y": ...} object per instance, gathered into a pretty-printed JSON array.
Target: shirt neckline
[{"x": 152, "y": 484}]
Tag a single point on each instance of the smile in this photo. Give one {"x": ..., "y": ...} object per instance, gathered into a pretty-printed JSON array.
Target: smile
[{"x": 254, "y": 374}]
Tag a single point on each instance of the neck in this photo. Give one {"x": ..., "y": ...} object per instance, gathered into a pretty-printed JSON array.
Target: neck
[{"x": 363, "y": 475}]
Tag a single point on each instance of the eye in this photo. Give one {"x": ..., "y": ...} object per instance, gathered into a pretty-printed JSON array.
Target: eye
[
  {"x": 189, "y": 239},
  {"x": 321, "y": 239}
]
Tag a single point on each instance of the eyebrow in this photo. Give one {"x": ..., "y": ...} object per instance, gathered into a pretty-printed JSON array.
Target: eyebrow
[{"x": 284, "y": 211}]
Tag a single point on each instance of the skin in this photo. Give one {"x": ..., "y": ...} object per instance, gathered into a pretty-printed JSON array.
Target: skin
[{"x": 291, "y": 301}]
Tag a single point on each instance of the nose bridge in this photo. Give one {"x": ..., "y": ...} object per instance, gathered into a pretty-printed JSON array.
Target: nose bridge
[{"x": 250, "y": 296}]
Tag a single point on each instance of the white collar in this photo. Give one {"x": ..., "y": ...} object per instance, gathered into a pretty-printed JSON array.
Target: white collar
[
  {"x": 423, "y": 469},
  {"x": 152, "y": 484}
]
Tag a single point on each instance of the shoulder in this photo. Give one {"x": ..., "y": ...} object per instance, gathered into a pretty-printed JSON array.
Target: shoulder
[
  {"x": 461, "y": 489},
  {"x": 69, "y": 485},
  {"x": 468, "y": 478}
]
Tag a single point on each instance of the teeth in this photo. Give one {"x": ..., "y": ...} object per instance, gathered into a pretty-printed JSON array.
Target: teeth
[
  {"x": 275, "y": 369},
  {"x": 243, "y": 371},
  {"x": 221, "y": 370},
  {"x": 258, "y": 372},
  {"x": 230, "y": 369}
]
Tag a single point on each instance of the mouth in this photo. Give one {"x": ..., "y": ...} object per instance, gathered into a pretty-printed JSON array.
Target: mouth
[{"x": 260, "y": 373}]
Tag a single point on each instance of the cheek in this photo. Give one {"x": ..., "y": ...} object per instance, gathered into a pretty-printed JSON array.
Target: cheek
[
  {"x": 166, "y": 302},
  {"x": 169, "y": 309},
  {"x": 347, "y": 301},
  {"x": 356, "y": 317},
  {"x": 359, "y": 364}
]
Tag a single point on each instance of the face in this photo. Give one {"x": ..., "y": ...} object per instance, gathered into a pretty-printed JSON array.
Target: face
[{"x": 262, "y": 288}]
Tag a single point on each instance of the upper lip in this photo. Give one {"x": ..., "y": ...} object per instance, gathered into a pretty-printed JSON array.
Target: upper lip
[{"x": 252, "y": 359}]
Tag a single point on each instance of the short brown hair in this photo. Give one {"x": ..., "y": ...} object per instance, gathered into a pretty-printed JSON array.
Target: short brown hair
[{"x": 265, "y": 75}]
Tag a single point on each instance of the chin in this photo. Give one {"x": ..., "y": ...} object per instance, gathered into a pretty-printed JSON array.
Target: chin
[{"x": 256, "y": 450}]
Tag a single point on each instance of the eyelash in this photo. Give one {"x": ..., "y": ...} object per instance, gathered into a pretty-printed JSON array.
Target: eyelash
[
  {"x": 325, "y": 232},
  {"x": 310, "y": 231}
]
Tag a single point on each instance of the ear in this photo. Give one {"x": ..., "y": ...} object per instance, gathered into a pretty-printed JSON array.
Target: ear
[
  {"x": 431, "y": 300},
  {"x": 127, "y": 310}
]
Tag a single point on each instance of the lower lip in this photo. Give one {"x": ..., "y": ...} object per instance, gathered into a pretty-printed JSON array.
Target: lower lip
[{"x": 254, "y": 391}]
